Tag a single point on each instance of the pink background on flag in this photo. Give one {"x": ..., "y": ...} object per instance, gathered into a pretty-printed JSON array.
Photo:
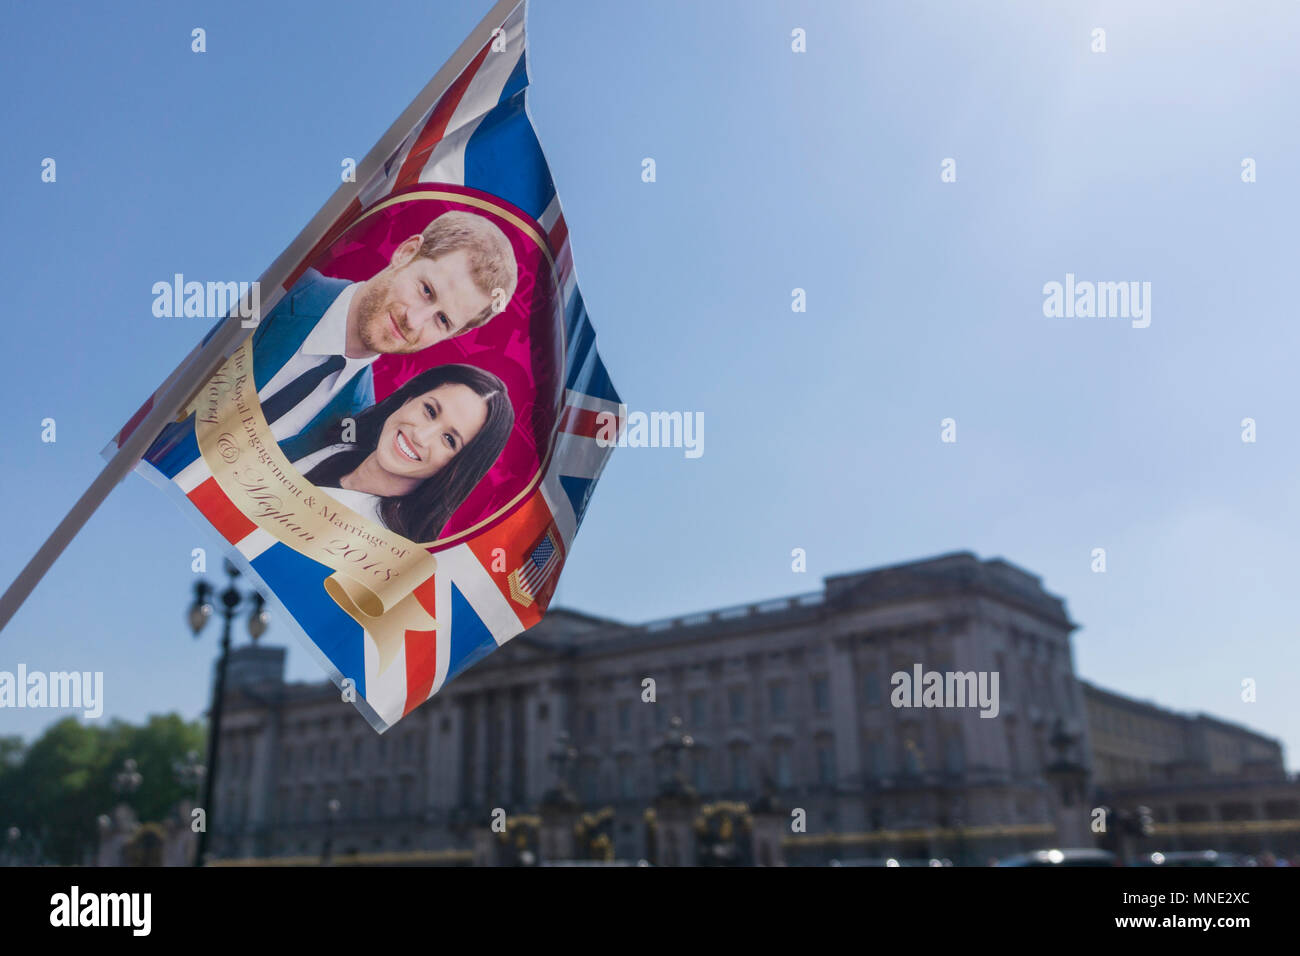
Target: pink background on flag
[{"x": 523, "y": 346}]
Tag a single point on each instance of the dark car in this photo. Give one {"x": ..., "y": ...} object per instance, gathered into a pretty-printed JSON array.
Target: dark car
[
  {"x": 890, "y": 861},
  {"x": 1191, "y": 858}
]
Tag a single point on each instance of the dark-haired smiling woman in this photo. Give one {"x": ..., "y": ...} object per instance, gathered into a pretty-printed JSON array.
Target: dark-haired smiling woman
[{"x": 420, "y": 452}]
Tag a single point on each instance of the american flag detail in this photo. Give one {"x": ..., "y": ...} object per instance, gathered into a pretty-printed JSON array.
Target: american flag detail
[
  {"x": 542, "y": 561},
  {"x": 478, "y": 134}
]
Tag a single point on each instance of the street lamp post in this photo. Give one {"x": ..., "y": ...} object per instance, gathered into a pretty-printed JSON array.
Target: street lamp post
[
  {"x": 1069, "y": 777},
  {"x": 231, "y": 602},
  {"x": 189, "y": 772},
  {"x": 559, "y": 805},
  {"x": 103, "y": 824},
  {"x": 563, "y": 758},
  {"x": 12, "y": 836},
  {"x": 128, "y": 779},
  {"x": 676, "y": 744},
  {"x": 676, "y": 802},
  {"x": 125, "y": 783}
]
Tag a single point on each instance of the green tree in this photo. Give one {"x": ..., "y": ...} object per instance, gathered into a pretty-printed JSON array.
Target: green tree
[
  {"x": 55, "y": 790},
  {"x": 156, "y": 748}
]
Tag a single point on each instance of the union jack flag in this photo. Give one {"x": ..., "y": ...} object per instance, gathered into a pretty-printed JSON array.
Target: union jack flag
[{"x": 478, "y": 135}]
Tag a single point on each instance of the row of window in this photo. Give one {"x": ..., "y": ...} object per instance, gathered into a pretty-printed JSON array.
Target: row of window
[
  {"x": 1117, "y": 769},
  {"x": 698, "y": 715},
  {"x": 409, "y": 749},
  {"x": 875, "y": 688},
  {"x": 401, "y": 842},
  {"x": 732, "y": 770},
  {"x": 356, "y": 802},
  {"x": 738, "y": 774}
]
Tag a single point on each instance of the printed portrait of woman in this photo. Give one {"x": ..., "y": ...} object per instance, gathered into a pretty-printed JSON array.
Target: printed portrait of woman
[{"x": 420, "y": 452}]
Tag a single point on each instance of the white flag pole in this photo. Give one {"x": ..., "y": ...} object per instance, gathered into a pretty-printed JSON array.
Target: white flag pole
[{"x": 205, "y": 359}]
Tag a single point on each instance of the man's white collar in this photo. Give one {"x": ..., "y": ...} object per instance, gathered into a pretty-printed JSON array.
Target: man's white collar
[{"x": 330, "y": 336}]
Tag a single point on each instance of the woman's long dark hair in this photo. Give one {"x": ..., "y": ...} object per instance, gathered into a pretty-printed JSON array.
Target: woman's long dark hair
[{"x": 421, "y": 514}]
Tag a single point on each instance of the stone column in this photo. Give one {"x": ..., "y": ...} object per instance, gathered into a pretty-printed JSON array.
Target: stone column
[
  {"x": 482, "y": 726},
  {"x": 845, "y": 726},
  {"x": 453, "y": 758},
  {"x": 534, "y": 749},
  {"x": 261, "y": 785},
  {"x": 542, "y": 735},
  {"x": 505, "y": 748}
]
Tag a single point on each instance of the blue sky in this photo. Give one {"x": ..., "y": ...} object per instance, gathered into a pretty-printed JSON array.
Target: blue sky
[{"x": 775, "y": 170}]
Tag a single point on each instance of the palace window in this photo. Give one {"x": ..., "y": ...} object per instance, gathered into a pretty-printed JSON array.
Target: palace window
[
  {"x": 821, "y": 690},
  {"x": 699, "y": 711},
  {"x": 700, "y": 772},
  {"x": 776, "y": 698},
  {"x": 736, "y": 704},
  {"x": 911, "y": 756},
  {"x": 587, "y": 781},
  {"x": 784, "y": 771},
  {"x": 871, "y": 688},
  {"x": 740, "y": 768},
  {"x": 624, "y": 718},
  {"x": 825, "y": 763},
  {"x": 954, "y": 758},
  {"x": 878, "y": 757}
]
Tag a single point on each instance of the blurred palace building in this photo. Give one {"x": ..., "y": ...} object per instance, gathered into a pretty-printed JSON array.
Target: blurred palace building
[{"x": 788, "y": 747}]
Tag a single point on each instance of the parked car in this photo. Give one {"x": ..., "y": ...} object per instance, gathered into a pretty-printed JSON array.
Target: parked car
[
  {"x": 1079, "y": 857},
  {"x": 889, "y": 861},
  {"x": 1191, "y": 858}
]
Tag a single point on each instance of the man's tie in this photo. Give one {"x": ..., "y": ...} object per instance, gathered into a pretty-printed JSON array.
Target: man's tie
[{"x": 286, "y": 398}]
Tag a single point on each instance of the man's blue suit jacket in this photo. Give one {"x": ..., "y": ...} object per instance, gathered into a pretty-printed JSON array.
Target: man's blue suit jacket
[{"x": 278, "y": 336}]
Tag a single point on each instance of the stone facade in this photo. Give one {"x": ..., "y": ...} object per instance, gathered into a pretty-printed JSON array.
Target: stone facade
[
  {"x": 788, "y": 700},
  {"x": 1136, "y": 743},
  {"x": 1207, "y": 783}
]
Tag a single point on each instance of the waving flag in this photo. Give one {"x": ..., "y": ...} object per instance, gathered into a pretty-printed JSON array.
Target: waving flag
[{"x": 403, "y": 447}]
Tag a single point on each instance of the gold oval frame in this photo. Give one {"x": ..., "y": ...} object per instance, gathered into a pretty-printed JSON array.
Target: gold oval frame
[{"x": 531, "y": 230}]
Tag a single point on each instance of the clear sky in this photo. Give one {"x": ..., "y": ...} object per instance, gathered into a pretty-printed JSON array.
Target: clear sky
[{"x": 775, "y": 171}]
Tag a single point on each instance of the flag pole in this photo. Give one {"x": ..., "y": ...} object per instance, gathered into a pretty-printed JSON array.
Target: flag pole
[{"x": 206, "y": 358}]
